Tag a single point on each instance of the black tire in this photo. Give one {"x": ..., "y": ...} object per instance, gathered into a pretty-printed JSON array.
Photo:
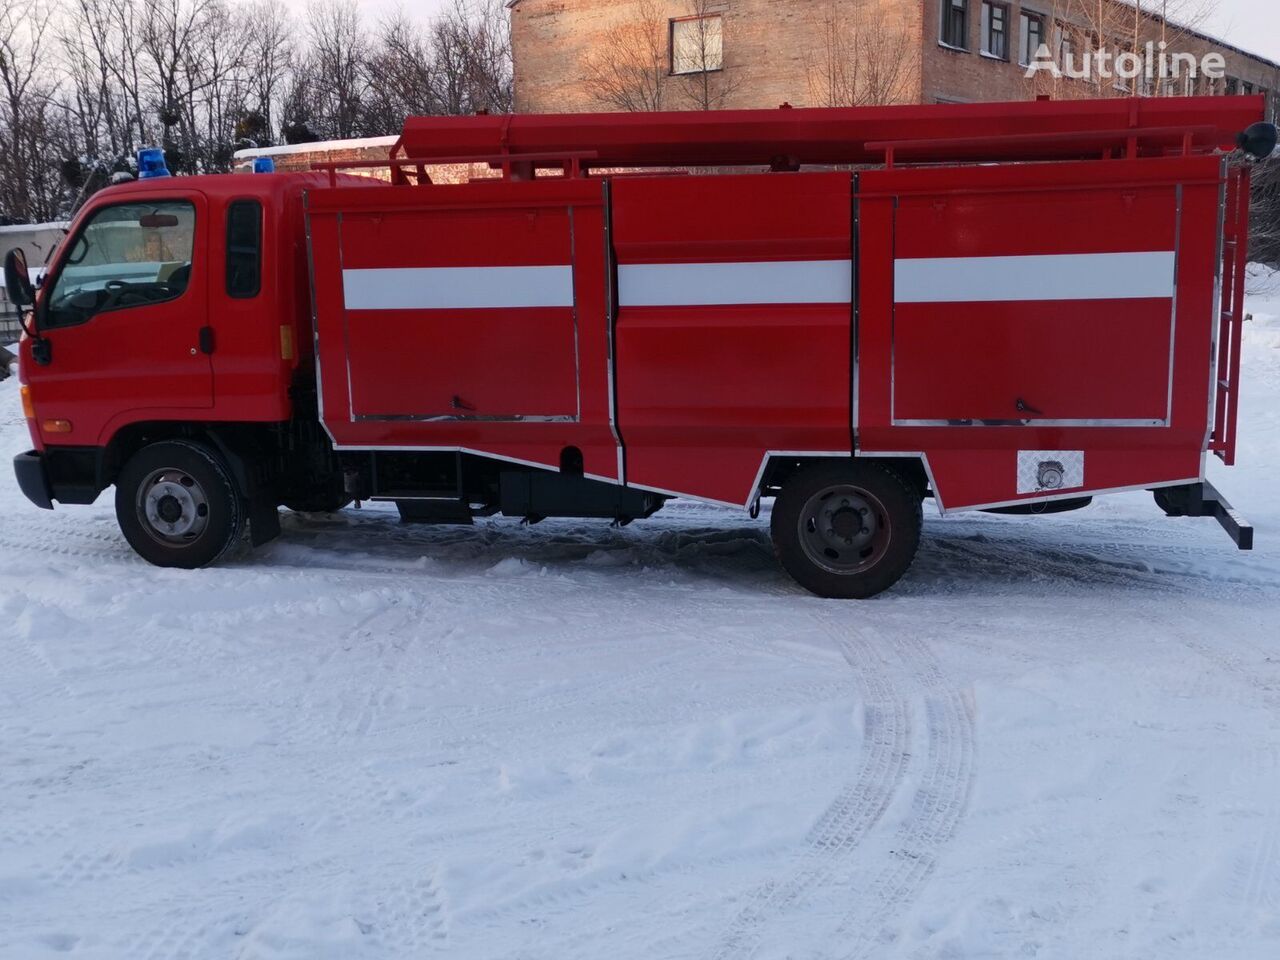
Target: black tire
[
  {"x": 844, "y": 561},
  {"x": 178, "y": 505},
  {"x": 1172, "y": 500}
]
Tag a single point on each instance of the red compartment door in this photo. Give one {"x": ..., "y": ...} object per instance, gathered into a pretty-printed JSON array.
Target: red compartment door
[
  {"x": 734, "y": 330},
  {"x": 460, "y": 313},
  {"x": 1078, "y": 332}
]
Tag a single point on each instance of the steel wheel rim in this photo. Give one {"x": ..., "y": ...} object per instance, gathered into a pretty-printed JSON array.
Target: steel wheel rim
[
  {"x": 845, "y": 529},
  {"x": 172, "y": 507}
]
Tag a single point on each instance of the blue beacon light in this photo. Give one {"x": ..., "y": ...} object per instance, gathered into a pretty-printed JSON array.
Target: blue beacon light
[
  {"x": 264, "y": 165},
  {"x": 151, "y": 164}
]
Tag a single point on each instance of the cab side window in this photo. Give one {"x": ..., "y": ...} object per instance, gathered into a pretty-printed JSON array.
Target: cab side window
[
  {"x": 244, "y": 249},
  {"x": 127, "y": 256}
]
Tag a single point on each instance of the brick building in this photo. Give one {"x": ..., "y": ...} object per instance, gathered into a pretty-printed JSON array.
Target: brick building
[
  {"x": 576, "y": 55},
  {"x": 300, "y": 156}
]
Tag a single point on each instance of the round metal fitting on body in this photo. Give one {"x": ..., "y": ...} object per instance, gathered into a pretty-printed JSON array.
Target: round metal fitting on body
[{"x": 845, "y": 529}]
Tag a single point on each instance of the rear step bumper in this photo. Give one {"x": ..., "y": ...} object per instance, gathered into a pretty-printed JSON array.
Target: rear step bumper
[
  {"x": 1203, "y": 500},
  {"x": 1214, "y": 504}
]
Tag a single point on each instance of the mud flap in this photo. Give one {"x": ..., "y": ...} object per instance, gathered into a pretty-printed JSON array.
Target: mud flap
[
  {"x": 264, "y": 521},
  {"x": 257, "y": 490}
]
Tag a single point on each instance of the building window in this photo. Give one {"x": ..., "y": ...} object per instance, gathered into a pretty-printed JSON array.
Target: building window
[
  {"x": 1124, "y": 56},
  {"x": 955, "y": 23},
  {"x": 1092, "y": 44},
  {"x": 697, "y": 45},
  {"x": 1065, "y": 45},
  {"x": 1032, "y": 38},
  {"x": 995, "y": 30}
]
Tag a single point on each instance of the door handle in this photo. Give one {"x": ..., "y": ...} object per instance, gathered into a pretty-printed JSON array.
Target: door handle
[{"x": 206, "y": 340}]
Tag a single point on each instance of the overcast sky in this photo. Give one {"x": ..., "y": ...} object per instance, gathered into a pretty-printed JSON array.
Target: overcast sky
[{"x": 1253, "y": 25}]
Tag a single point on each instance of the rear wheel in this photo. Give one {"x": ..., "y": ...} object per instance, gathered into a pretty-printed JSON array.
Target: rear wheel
[
  {"x": 1172, "y": 500},
  {"x": 178, "y": 506},
  {"x": 847, "y": 531}
]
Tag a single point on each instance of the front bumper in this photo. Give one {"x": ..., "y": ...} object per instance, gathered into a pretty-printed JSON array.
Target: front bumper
[{"x": 33, "y": 479}]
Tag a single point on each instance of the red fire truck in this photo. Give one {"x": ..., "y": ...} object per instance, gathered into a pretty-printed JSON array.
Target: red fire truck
[{"x": 1009, "y": 307}]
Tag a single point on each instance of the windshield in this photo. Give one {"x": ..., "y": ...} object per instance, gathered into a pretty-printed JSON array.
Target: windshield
[{"x": 128, "y": 255}]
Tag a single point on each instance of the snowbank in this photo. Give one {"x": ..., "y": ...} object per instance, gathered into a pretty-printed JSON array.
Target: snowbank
[{"x": 1058, "y": 738}]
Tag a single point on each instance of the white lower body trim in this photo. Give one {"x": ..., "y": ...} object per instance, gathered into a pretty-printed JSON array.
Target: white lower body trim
[{"x": 1074, "y": 495}]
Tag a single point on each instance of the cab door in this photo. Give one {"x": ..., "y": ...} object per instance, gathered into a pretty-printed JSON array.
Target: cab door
[{"x": 124, "y": 310}]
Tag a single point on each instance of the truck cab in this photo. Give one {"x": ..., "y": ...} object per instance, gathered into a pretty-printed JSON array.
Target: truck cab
[
  {"x": 163, "y": 290},
  {"x": 170, "y": 302}
]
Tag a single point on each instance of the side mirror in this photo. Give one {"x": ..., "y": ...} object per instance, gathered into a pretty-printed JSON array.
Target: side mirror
[
  {"x": 1259, "y": 141},
  {"x": 17, "y": 279}
]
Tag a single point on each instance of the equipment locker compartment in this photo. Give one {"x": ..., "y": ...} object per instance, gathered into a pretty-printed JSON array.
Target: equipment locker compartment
[
  {"x": 474, "y": 334},
  {"x": 1000, "y": 321},
  {"x": 468, "y": 317},
  {"x": 734, "y": 328}
]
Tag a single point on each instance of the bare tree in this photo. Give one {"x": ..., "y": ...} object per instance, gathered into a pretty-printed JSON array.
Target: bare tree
[
  {"x": 473, "y": 70},
  {"x": 492, "y": 80},
  {"x": 1264, "y": 233},
  {"x": 123, "y": 58},
  {"x": 336, "y": 63},
  {"x": 1085, "y": 29},
  {"x": 865, "y": 58},
  {"x": 403, "y": 71},
  {"x": 218, "y": 85},
  {"x": 24, "y": 114},
  {"x": 627, "y": 70},
  {"x": 269, "y": 56}
]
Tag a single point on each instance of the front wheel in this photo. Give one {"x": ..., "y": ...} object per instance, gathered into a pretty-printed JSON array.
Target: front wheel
[
  {"x": 847, "y": 531},
  {"x": 178, "y": 506}
]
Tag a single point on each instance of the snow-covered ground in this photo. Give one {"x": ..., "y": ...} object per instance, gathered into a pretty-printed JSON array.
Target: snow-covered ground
[{"x": 1057, "y": 738}]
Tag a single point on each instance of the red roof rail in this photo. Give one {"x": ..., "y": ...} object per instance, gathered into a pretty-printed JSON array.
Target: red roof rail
[{"x": 787, "y": 138}]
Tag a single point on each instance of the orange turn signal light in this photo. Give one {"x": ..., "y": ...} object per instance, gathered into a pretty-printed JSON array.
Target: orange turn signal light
[
  {"x": 56, "y": 426},
  {"x": 28, "y": 408}
]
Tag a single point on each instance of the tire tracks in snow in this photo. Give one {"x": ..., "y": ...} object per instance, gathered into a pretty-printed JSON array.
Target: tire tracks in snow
[
  {"x": 1256, "y": 670},
  {"x": 855, "y": 811},
  {"x": 408, "y": 919},
  {"x": 937, "y": 806},
  {"x": 1001, "y": 556}
]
